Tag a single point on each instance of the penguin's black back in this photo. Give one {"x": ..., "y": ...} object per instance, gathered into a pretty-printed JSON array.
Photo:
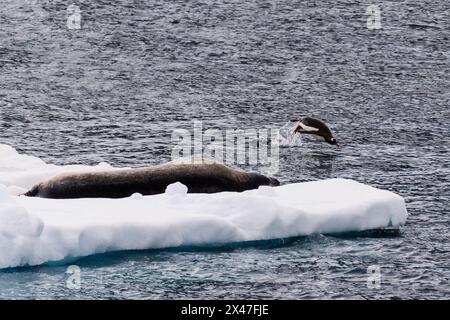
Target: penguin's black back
[{"x": 315, "y": 123}]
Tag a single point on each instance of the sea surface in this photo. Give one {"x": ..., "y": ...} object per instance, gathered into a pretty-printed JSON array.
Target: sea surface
[{"x": 115, "y": 89}]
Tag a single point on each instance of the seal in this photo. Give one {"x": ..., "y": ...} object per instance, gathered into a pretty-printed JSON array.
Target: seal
[{"x": 199, "y": 178}]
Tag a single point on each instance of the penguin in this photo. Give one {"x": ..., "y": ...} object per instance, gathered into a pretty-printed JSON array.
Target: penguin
[{"x": 316, "y": 127}]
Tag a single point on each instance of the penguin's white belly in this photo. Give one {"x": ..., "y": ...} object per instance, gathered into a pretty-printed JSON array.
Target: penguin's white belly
[
  {"x": 305, "y": 128},
  {"x": 308, "y": 128}
]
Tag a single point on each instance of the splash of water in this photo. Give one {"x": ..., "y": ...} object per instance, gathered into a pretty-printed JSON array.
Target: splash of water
[{"x": 287, "y": 137}]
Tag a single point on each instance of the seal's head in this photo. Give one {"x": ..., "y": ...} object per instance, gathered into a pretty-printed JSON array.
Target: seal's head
[
  {"x": 261, "y": 180},
  {"x": 274, "y": 182}
]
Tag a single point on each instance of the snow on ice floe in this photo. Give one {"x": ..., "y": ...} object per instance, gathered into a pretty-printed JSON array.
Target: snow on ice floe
[
  {"x": 34, "y": 231},
  {"x": 20, "y": 172}
]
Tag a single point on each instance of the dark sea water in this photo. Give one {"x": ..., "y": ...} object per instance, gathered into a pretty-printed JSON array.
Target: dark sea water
[{"x": 115, "y": 89}]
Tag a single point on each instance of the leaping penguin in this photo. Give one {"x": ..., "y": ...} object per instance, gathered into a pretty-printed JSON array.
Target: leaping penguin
[{"x": 316, "y": 127}]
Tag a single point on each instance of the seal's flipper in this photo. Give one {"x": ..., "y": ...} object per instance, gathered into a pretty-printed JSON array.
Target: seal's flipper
[{"x": 33, "y": 192}]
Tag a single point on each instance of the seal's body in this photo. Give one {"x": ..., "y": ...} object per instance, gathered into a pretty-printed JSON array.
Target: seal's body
[{"x": 199, "y": 178}]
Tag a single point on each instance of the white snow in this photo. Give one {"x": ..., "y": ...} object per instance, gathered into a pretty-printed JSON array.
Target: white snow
[
  {"x": 177, "y": 189},
  {"x": 34, "y": 231},
  {"x": 20, "y": 172}
]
